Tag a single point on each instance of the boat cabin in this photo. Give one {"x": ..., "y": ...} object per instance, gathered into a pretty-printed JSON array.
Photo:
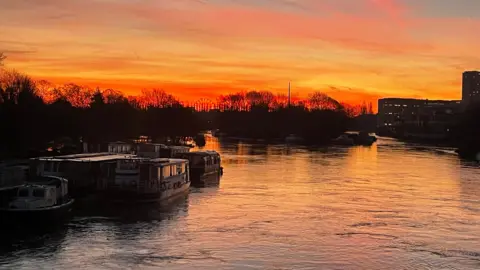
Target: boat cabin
[
  {"x": 150, "y": 175},
  {"x": 120, "y": 148},
  {"x": 206, "y": 160},
  {"x": 205, "y": 168},
  {"x": 50, "y": 191},
  {"x": 157, "y": 150},
  {"x": 92, "y": 171}
]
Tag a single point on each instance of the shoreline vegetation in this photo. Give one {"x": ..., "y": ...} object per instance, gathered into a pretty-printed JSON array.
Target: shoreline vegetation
[{"x": 36, "y": 115}]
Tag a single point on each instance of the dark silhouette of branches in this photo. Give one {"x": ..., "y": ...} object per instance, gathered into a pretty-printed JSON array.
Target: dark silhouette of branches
[{"x": 38, "y": 115}]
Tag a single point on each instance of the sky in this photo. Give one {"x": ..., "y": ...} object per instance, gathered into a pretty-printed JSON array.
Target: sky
[{"x": 353, "y": 50}]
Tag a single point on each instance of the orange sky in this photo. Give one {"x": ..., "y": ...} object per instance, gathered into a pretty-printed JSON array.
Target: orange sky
[{"x": 353, "y": 50}]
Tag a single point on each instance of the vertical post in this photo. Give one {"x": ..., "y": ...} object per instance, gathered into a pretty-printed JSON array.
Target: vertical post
[{"x": 289, "y": 95}]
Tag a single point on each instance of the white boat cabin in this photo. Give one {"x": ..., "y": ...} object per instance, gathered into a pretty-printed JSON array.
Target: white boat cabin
[
  {"x": 49, "y": 193},
  {"x": 150, "y": 175}
]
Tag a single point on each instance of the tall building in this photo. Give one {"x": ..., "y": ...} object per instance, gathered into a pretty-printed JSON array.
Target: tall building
[{"x": 470, "y": 87}]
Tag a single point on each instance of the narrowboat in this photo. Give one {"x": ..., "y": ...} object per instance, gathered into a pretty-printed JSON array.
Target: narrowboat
[
  {"x": 143, "y": 180},
  {"x": 86, "y": 173},
  {"x": 157, "y": 150},
  {"x": 44, "y": 201},
  {"x": 205, "y": 167}
]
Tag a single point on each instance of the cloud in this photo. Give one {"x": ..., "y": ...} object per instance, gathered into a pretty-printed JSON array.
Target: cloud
[{"x": 198, "y": 47}]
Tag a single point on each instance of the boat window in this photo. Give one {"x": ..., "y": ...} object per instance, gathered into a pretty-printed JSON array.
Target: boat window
[
  {"x": 184, "y": 167},
  {"x": 23, "y": 192},
  {"x": 61, "y": 167},
  {"x": 166, "y": 171},
  {"x": 39, "y": 192},
  {"x": 173, "y": 170},
  {"x": 47, "y": 166},
  {"x": 55, "y": 166},
  {"x": 179, "y": 169}
]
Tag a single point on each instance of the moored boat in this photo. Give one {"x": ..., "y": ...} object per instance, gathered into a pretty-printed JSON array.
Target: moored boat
[
  {"x": 363, "y": 138},
  {"x": 86, "y": 173},
  {"x": 205, "y": 167},
  {"x": 42, "y": 202},
  {"x": 148, "y": 180},
  {"x": 343, "y": 139},
  {"x": 294, "y": 139}
]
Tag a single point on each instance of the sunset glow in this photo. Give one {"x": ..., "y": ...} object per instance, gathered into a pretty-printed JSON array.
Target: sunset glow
[{"x": 353, "y": 50}]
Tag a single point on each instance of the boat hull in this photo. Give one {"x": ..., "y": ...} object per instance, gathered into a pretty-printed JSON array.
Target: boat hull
[
  {"x": 124, "y": 196},
  {"x": 36, "y": 217},
  {"x": 206, "y": 179}
]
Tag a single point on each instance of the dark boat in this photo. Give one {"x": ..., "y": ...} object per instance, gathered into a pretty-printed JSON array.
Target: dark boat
[
  {"x": 42, "y": 202},
  {"x": 145, "y": 180},
  {"x": 362, "y": 138},
  {"x": 205, "y": 168}
]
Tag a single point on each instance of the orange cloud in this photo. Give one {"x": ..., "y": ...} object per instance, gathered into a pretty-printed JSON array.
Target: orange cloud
[{"x": 196, "y": 49}]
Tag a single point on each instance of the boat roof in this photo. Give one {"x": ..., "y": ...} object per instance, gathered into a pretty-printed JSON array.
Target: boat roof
[
  {"x": 169, "y": 160},
  {"x": 118, "y": 142},
  {"x": 201, "y": 153},
  {"x": 166, "y": 146},
  {"x": 156, "y": 160},
  {"x": 90, "y": 157}
]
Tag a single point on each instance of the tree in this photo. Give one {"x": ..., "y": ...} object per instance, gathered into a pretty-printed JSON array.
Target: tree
[
  {"x": 320, "y": 101},
  {"x": 78, "y": 96},
  {"x": 97, "y": 99},
  {"x": 157, "y": 98},
  {"x": 233, "y": 102},
  {"x": 15, "y": 86},
  {"x": 113, "y": 96},
  {"x": 46, "y": 90},
  {"x": 363, "y": 108},
  {"x": 370, "y": 108}
]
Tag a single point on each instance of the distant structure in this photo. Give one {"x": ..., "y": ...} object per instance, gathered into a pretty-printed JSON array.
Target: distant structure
[
  {"x": 289, "y": 95},
  {"x": 421, "y": 118},
  {"x": 470, "y": 87}
]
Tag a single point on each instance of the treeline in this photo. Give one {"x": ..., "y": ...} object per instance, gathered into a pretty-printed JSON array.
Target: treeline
[
  {"x": 33, "y": 116},
  {"x": 262, "y": 115},
  {"x": 36, "y": 113}
]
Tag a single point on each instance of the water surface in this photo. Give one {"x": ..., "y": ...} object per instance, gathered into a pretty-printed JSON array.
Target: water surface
[{"x": 389, "y": 206}]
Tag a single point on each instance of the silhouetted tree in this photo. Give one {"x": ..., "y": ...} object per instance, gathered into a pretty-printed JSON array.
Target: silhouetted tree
[{"x": 321, "y": 101}]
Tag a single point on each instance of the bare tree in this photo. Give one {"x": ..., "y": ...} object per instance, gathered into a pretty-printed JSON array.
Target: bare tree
[
  {"x": 113, "y": 96},
  {"x": 15, "y": 86},
  {"x": 157, "y": 98},
  {"x": 320, "y": 101},
  {"x": 45, "y": 90},
  {"x": 78, "y": 96}
]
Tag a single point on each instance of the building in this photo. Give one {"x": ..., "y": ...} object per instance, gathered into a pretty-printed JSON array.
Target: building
[
  {"x": 416, "y": 117},
  {"x": 470, "y": 87}
]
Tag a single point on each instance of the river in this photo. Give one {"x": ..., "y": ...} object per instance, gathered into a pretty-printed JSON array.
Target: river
[{"x": 389, "y": 206}]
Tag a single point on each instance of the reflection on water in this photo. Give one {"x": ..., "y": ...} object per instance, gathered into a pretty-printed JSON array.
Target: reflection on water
[{"x": 392, "y": 205}]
